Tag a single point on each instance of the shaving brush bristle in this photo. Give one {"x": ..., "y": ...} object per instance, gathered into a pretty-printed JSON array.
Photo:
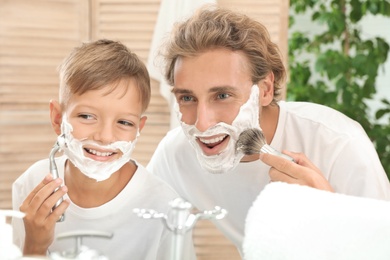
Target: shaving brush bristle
[{"x": 251, "y": 141}]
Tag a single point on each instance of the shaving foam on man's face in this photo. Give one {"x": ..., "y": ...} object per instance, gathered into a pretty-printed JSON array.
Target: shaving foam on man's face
[
  {"x": 248, "y": 117},
  {"x": 98, "y": 170}
]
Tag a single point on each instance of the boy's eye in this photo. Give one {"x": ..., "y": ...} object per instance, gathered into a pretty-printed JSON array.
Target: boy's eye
[
  {"x": 85, "y": 116},
  {"x": 126, "y": 123}
]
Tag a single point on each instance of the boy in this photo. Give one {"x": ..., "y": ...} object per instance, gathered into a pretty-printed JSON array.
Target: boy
[{"x": 104, "y": 91}]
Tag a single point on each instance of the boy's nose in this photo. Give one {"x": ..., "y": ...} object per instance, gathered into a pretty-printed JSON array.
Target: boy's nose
[{"x": 105, "y": 134}]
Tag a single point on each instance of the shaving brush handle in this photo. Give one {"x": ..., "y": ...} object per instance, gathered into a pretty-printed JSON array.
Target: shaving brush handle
[{"x": 268, "y": 149}]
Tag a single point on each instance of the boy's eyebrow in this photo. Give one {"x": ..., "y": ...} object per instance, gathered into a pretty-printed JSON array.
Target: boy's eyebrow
[
  {"x": 81, "y": 107},
  {"x": 134, "y": 115}
]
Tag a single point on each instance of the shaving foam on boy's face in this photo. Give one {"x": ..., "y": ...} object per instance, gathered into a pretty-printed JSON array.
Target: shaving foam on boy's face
[
  {"x": 98, "y": 170},
  {"x": 248, "y": 117}
]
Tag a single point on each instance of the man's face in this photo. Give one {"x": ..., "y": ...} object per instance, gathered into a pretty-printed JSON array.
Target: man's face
[{"x": 210, "y": 88}]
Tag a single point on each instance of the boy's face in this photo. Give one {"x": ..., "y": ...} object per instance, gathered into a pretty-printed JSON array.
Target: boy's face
[
  {"x": 210, "y": 88},
  {"x": 106, "y": 118}
]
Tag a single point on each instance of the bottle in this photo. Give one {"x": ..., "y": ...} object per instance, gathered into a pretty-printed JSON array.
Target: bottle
[{"x": 8, "y": 250}]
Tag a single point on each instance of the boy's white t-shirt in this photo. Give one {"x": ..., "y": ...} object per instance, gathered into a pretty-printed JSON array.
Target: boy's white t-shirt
[
  {"x": 337, "y": 145},
  {"x": 133, "y": 237}
]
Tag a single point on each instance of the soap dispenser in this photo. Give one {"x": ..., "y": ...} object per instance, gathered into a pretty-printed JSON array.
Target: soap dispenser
[{"x": 8, "y": 250}]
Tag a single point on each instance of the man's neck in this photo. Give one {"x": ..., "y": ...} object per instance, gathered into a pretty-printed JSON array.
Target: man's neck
[{"x": 269, "y": 118}]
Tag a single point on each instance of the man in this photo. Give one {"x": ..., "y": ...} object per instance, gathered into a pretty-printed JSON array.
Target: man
[{"x": 227, "y": 76}]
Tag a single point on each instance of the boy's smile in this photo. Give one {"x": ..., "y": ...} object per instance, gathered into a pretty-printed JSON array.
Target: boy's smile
[{"x": 98, "y": 154}]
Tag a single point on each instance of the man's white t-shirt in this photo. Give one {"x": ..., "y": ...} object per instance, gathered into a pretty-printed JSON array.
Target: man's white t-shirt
[{"x": 337, "y": 145}]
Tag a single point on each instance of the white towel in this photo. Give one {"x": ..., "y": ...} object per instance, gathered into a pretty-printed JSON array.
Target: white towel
[
  {"x": 289, "y": 221},
  {"x": 171, "y": 11}
]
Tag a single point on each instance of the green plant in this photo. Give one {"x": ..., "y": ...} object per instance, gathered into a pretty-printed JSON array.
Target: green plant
[{"x": 345, "y": 68}]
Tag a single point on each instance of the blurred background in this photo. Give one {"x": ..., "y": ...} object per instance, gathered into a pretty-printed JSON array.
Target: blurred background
[{"x": 36, "y": 35}]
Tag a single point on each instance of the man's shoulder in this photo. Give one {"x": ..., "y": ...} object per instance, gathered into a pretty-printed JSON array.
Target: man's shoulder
[
  {"x": 176, "y": 132},
  {"x": 320, "y": 115},
  {"x": 308, "y": 107},
  {"x": 174, "y": 138}
]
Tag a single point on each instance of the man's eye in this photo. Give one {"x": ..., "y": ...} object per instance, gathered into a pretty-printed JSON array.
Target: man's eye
[
  {"x": 223, "y": 96},
  {"x": 186, "y": 98}
]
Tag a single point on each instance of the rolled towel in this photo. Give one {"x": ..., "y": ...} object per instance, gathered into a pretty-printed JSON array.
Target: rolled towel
[{"x": 289, "y": 221}]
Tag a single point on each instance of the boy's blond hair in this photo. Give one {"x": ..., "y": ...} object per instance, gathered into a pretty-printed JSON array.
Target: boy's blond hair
[
  {"x": 95, "y": 65},
  {"x": 213, "y": 27}
]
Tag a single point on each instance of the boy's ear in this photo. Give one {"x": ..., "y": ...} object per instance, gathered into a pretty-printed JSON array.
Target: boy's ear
[
  {"x": 55, "y": 116},
  {"x": 266, "y": 87},
  {"x": 142, "y": 122}
]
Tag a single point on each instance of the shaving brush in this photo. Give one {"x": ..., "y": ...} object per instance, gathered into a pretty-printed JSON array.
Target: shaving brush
[{"x": 252, "y": 141}]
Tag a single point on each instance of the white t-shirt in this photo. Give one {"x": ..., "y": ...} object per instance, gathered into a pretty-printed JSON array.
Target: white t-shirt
[
  {"x": 133, "y": 237},
  {"x": 337, "y": 145}
]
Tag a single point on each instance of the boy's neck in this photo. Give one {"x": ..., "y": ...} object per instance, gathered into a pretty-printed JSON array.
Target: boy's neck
[{"x": 88, "y": 193}]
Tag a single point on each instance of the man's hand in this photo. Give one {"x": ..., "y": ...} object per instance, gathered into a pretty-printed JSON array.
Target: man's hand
[{"x": 303, "y": 171}]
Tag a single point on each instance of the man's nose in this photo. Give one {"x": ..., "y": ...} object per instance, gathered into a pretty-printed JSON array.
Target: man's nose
[{"x": 205, "y": 117}]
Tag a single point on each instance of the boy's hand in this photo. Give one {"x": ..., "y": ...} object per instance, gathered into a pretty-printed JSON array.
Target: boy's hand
[
  {"x": 303, "y": 171},
  {"x": 39, "y": 222}
]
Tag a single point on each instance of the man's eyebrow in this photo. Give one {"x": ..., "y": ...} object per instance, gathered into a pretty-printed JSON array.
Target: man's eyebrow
[
  {"x": 211, "y": 90},
  {"x": 181, "y": 91},
  {"x": 222, "y": 89}
]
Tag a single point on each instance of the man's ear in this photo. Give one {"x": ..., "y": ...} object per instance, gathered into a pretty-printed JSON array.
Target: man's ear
[
  {"x": 266, "y": 87},
  {"x": 55, "y": 116}
]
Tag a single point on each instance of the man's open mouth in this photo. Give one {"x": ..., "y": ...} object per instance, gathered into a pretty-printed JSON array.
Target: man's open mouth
[{"x": 212, "y": 142}]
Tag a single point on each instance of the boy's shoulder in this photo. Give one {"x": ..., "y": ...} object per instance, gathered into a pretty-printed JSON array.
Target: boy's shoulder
[
  {"x": 38, "y": 167},
  {"x": 152, "y": 190},
  {"x": 153, "y": 182},
  {"x": 38, "y": 170}
]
